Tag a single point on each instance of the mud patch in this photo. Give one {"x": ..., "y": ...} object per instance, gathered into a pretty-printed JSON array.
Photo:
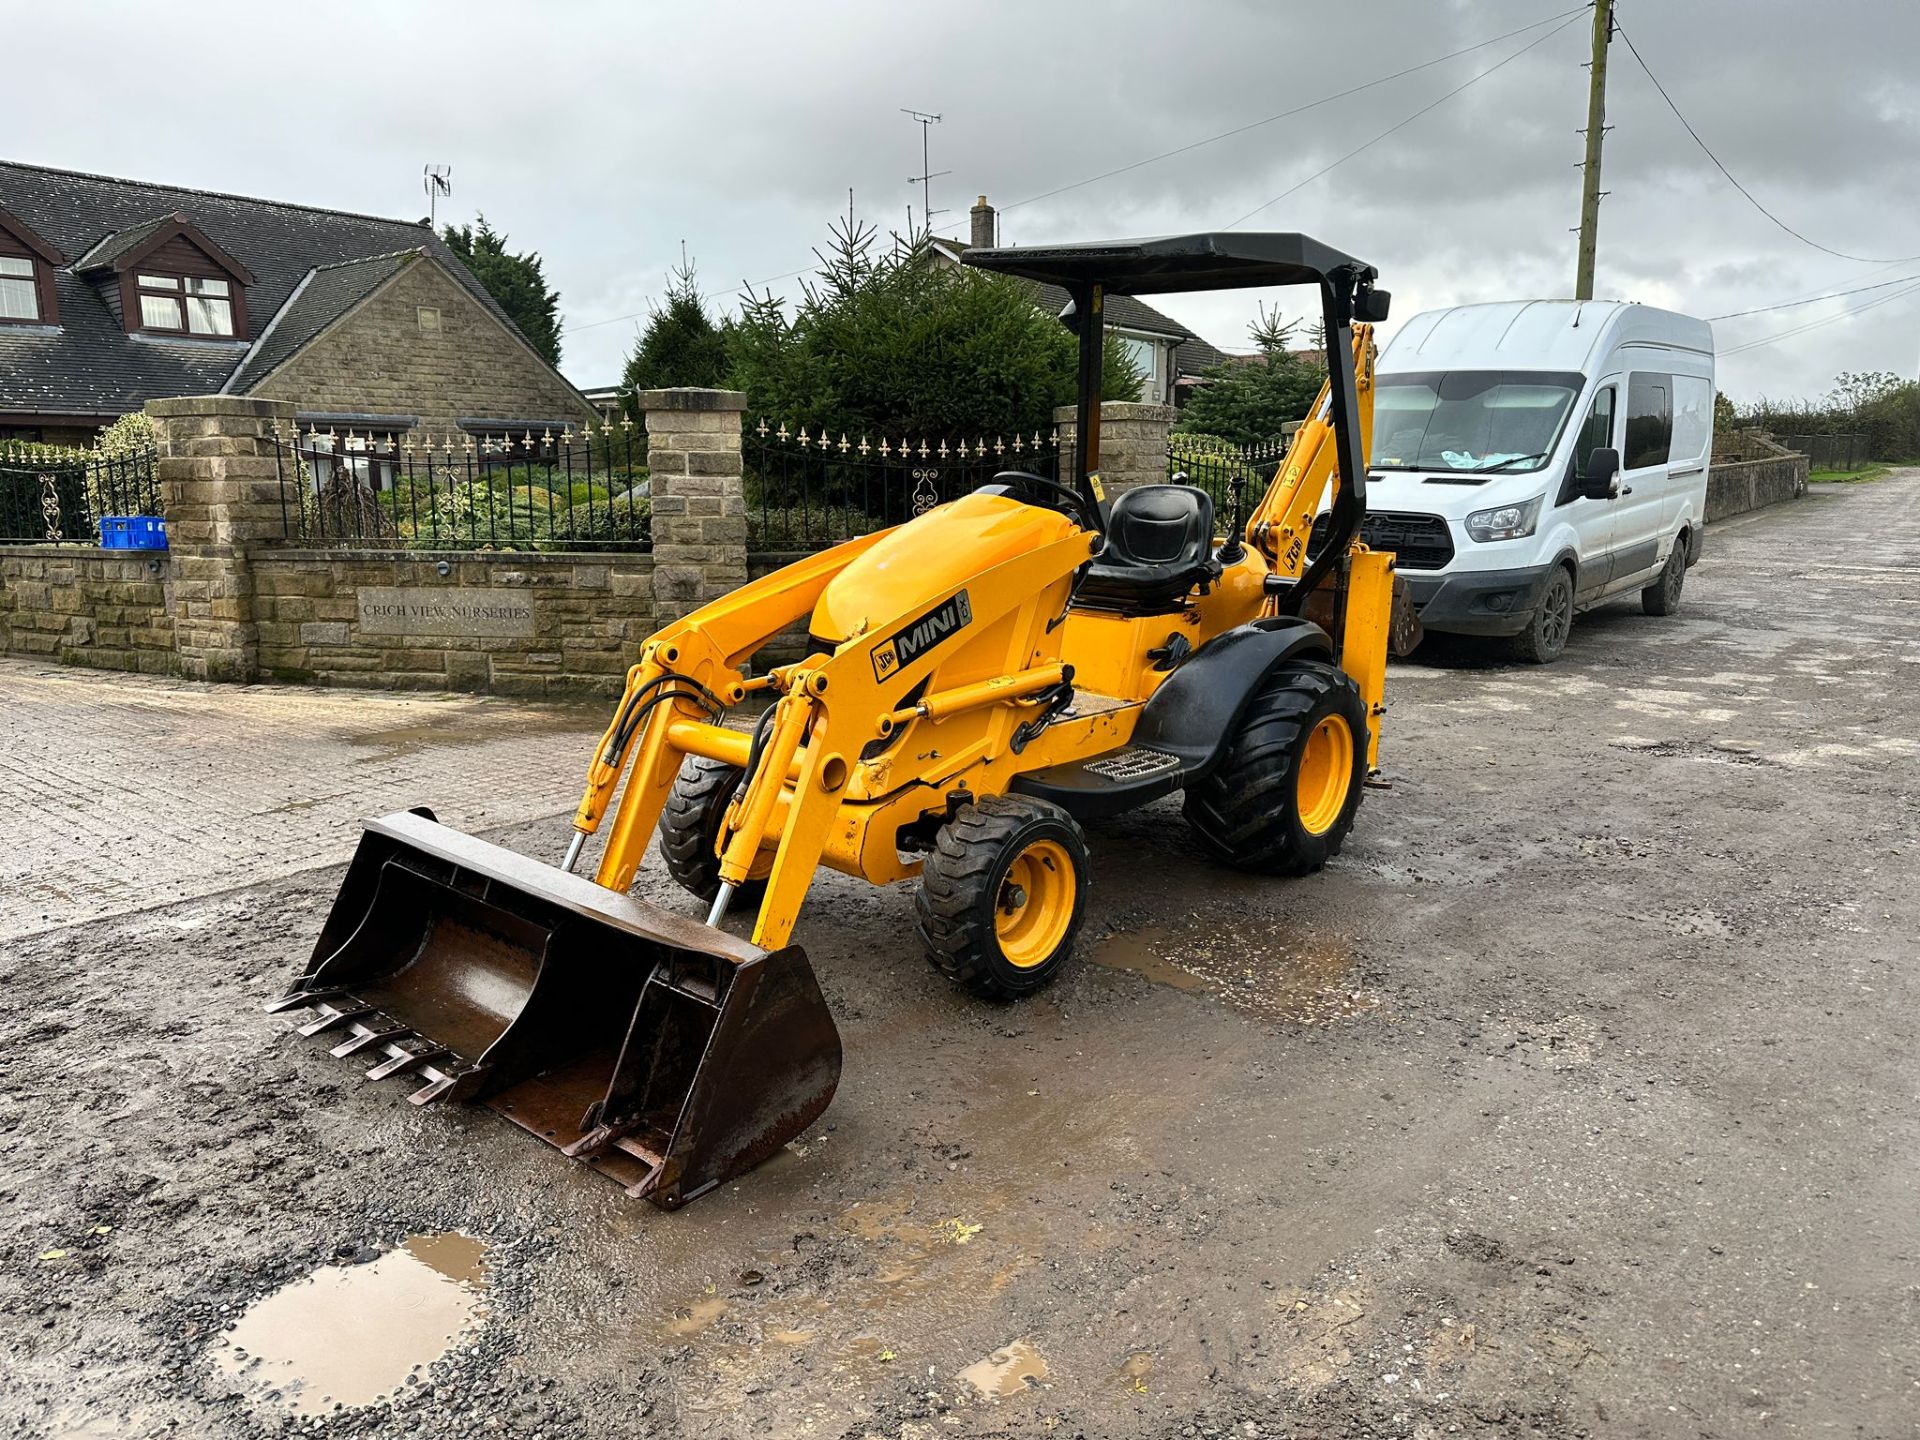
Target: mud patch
[
  {"x": 351, "y": 1335},
  {"x": 1020, "y": 1366},
  {"x": 1707, "y": 750},
  {"x": 1301, "y": 983}
]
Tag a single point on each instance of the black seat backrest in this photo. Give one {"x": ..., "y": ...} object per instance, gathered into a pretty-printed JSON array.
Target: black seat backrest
[
  {"x": 1159, "y": 546},
  {"x": 1160, "y": 525}
]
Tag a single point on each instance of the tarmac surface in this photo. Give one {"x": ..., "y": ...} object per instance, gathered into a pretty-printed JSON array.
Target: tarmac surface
[{"x": 1576, "y": 1098}]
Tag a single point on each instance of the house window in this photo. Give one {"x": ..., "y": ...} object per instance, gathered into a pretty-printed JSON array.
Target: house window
[
  {"x": 1145, "y": 355},
  {"x": 370, "y": 456},
  {"x": 19, "y": 289},
  {"x": 186, "y": 304}
]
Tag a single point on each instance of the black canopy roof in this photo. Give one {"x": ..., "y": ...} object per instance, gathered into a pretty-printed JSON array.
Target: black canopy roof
[{"x": 1219, "y": 260}]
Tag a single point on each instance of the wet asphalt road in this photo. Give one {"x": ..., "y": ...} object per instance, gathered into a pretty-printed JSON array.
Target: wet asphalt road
[{"x": 1576, "y": 1098}]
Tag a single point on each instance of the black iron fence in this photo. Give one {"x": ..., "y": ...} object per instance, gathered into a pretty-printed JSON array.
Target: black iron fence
[
  {"x": 1212, "y": 464},
  {"x": 1829, "y": 452},
  {"x": 807, "y": 490},
  {"x": 55, "y": 496},
  {"x": 546, "y": 489}
]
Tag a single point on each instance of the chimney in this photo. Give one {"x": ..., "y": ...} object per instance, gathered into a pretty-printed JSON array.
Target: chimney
[{"x": 982, "y": 216}]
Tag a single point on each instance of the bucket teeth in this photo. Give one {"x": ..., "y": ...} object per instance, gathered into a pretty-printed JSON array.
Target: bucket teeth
[
  {"x": 427, "y": 1094},
  {"x": 330, "y": 1017},
  {"x": 369, "y": 1036},
  {"x": 402, "y": 1058},
  {"x": 300, "y": 1000}
]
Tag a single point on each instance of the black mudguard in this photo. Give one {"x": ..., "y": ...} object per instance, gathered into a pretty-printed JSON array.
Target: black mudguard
[{"x": 1196, "y": 709}]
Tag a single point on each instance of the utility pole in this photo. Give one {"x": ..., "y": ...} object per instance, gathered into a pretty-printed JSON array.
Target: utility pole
[
  {"x": 1590, "y": 191},
  {"x": 927, "y": 175}
]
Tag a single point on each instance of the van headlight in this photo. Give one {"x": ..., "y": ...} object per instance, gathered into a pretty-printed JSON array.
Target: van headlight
[{"x": 1505, "y": 522}]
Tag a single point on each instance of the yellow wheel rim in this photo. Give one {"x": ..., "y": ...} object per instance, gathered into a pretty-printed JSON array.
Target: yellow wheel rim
[
  {"x": 1034, "y": 908},
  {"x": 1326, "y": 770}
]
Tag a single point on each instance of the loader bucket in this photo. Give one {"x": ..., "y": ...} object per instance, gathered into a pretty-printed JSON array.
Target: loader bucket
[{"x": 663, "y": 1052}]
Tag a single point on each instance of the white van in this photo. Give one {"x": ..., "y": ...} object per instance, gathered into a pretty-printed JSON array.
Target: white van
[{"x": 1531, "y": 459}]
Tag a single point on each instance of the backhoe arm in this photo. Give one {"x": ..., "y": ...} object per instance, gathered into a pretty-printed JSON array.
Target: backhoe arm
[{"x": 1282, "y": 521}]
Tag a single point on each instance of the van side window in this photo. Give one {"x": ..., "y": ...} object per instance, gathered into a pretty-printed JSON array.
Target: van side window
[
  {"x": 1649, "y": 421},
  {"x": 1595, "y": 434}
]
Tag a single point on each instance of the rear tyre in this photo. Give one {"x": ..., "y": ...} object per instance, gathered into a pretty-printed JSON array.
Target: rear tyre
[
  {"x": 1663, "y": 596},
  {"x": 1002, "y": 894},
  {"x": 1283, "y": 797},
  {"x": 690, "y": 828},
  {"x": 1551, "y": 622}
]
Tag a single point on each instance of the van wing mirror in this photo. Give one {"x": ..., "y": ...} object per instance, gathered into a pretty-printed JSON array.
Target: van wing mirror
[{"x": 1601, "y": 480}]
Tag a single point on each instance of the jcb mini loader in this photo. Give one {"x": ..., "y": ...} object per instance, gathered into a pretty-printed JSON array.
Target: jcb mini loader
[{"x": 980, "y": 680}]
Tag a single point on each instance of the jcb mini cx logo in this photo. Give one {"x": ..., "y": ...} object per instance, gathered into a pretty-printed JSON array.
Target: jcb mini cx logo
[{"x": 909, "y": 644}]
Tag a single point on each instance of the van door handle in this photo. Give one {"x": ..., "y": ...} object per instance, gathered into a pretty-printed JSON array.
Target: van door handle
[
  {"x": 1684, "y": 474},
  {"x": 1625, "y": 491}
]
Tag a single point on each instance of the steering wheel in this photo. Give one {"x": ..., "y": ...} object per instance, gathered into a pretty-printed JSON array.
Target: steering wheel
[{"x": 1064, "y": 497}]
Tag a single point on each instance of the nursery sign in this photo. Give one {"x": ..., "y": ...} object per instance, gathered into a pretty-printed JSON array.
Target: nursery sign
[{"x": 424, "y": 610}]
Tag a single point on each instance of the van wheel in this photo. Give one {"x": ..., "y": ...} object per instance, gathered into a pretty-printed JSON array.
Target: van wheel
[
  {"x": 1663, "y": 596},
  {"x": 1546, "y": 633}
]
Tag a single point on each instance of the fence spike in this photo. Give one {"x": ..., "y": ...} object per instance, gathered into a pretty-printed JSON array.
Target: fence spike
[
  {"x": 942, "y": 451},
  {"x": 923, "y": 447},
  {"x": 843, "y": 442},
  {"x": 781, "y": 433},
  {"x": 865, "y": 449},
  {"x": 1016, "y": 443},
  {"x": 761, "y": 428}
]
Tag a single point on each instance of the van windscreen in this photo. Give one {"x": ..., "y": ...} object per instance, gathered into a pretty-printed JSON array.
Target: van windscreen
[{"x": 1471, "y": 421}]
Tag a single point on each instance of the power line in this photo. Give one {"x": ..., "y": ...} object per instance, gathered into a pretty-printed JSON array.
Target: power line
[
  {"x": 1566, "y": 21},
  {"x": 1812, "y": 299},
  {"x": 1197, "y": 144},
  {"x": 1816, "y": 324},
  {"x": 1296, "y": 110},
  {"x": 1826, "y": 249}
]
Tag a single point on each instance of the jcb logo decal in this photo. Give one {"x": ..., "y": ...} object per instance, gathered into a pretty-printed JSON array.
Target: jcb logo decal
[{"x": 922, "y": 635}]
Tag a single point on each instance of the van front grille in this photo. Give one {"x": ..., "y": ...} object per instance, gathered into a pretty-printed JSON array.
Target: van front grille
[{"x": 1418, "y": 542}]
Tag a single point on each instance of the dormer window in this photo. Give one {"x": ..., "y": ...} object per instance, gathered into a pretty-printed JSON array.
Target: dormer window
[
  {"x": 19, "y": 290},
  {"x": 185, "y": 304},
  {"x": 26, "y": 275}
]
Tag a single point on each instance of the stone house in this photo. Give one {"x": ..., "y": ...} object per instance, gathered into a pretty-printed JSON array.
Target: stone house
[{"x": 117, "y": 292}]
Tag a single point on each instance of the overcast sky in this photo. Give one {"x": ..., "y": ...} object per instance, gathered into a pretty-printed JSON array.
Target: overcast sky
[{"x": 605, "y": 134}]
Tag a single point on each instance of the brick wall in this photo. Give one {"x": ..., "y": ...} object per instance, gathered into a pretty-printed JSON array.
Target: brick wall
[
  {"x": 106, "y": 608},
  {"x": 379, "y": 360},
  {"x": 589, "y": 614},
  {"x": 1133, "y": 443}
]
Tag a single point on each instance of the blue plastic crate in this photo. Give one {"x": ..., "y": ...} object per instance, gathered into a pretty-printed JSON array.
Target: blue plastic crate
[{"x": 133, "y": 532}]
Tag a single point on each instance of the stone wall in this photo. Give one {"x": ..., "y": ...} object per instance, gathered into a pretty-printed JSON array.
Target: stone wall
[
  {"x": 86, "y": 606},
  {"x": 1133, "y": 443},
  {"x": 383, "y": 359},
  {"x": 509, "y": 623},
  {"x": 1749, "y": 485}
]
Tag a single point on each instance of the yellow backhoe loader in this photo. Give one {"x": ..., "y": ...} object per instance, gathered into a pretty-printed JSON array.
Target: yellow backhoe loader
[{"x": 979, "y": 681}]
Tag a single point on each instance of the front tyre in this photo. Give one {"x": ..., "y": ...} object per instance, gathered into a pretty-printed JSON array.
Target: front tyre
[
  {"x": 1002, "y": 894},
  {"x": 1283, "y": 797},
  {"x": 1551, "y": 622},
  {"x": 689, "y": 829}
]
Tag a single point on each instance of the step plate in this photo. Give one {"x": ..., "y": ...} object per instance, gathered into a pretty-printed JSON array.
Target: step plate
[{"x": 1130, "y": 763}]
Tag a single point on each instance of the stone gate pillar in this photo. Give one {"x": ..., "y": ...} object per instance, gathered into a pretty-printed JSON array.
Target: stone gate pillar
[
  {"x": 1133, "y": 443},
  {"x": 699, "y": 497},
  {"x": 220, "y": 493}
]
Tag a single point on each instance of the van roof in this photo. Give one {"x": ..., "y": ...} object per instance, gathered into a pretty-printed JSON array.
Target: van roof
[{"x": 1536, "y": 335}]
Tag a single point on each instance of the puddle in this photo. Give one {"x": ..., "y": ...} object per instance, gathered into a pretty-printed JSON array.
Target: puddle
[
  {"x": 1007, "y": 1372},
  {"x": 1302, "y": 984},
  {"x": 351, "y": 1334},
  {"x": 702, "y": 1314}
]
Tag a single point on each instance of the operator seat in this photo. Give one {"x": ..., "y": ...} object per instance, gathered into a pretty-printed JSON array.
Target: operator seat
[{"x": 1159, "y": 546}]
